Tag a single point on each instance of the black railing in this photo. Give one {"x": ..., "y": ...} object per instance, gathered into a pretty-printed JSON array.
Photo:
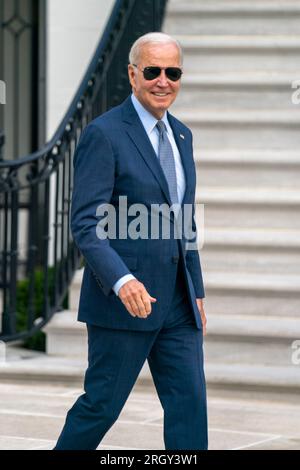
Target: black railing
[{"x": 38, "y": 257}]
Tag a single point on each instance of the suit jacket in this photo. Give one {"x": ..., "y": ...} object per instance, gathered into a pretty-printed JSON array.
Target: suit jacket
[{"x": 114, "y": 158}]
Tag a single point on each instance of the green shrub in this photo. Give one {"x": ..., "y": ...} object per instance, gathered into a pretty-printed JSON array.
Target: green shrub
[{"x": 38, "y": 340}]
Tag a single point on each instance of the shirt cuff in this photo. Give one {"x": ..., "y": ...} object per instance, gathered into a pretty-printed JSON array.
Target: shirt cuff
[{"x": 117, "y": 286}]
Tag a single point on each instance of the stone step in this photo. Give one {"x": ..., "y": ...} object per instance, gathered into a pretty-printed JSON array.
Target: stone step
[
  {"x": 239, "y": 54},
  {"x": 268, "y": 208},
  {"x": 220, "y": 373},
  {"x": 25, "y": 365},
  {"x": 236, "y": 128},
  {"x": 40, "y": 367},
  {"x": 253, "y": 377},
  {"x": 254, "y": 167},
  {"x": 74, "y": 292},
  {"x": 252, "y": 329},
  {"x": 253, "y": 340},
  {"x": 255, "y": 259},
  {"x": 259, "y": 90},
  {"x": 65, "y": 336},
  {"x": 259, "y": 294},
  {"x": 222, "y": 18},
  {"x": 258, "y": 251},
  {"x": 252, "y": 344}
]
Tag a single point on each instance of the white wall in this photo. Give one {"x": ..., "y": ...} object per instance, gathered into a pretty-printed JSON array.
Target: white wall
[{"x": 74, "y": 28}]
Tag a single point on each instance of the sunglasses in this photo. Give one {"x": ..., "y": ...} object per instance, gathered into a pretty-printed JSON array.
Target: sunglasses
[{"x": 151, "y": 72}]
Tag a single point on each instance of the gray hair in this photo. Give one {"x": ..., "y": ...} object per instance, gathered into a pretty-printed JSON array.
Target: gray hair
[{"x": 154, "y": 38}]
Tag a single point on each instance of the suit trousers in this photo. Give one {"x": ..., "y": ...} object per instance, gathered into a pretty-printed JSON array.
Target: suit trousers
[{"x": 115, "y": 358}]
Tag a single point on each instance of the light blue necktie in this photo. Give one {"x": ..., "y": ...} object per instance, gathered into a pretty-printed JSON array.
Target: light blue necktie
[{"x": 167, "y": 162}]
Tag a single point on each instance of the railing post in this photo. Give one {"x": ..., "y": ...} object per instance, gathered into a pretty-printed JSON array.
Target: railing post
[
  {"x": 2, "y": 140},
  {"x": 156, "y": 16}
]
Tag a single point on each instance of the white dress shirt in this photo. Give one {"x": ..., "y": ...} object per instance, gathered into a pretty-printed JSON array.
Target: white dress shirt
[{"x": 149, "y": 122}]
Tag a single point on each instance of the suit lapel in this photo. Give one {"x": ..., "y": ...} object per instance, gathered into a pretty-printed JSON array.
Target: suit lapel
[{"x": 138, "y": 135}]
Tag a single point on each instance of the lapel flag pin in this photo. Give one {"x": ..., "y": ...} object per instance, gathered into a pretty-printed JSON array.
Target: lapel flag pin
[{"x": 182, "y": 136}]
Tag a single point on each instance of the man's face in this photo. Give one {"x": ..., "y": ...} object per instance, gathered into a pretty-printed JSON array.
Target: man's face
[{"x": 155, "y": 95}]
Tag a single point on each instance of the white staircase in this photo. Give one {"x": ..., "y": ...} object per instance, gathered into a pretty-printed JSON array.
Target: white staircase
[
  {"x": 240, "y": 59},
  {"x": 227, "y": 17}
]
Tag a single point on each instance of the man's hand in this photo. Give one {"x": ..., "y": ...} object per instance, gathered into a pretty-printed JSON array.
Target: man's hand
[
  {"x": 202, "y": 314},
  {"x": 136, "y": 298}
]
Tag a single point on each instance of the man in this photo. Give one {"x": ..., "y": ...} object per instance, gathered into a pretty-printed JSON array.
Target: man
[{"x": 141, "y": 297}]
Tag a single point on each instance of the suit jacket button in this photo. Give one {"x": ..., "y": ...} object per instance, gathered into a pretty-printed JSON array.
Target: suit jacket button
[{"x": 175, "y": 259}]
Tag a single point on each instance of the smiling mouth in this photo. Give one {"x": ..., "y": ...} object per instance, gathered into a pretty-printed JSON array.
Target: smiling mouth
[{"x": 160, "y": 95}]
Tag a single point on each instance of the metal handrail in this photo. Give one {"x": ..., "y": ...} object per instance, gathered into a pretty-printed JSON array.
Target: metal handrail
[{"x": 36, "y": 190}]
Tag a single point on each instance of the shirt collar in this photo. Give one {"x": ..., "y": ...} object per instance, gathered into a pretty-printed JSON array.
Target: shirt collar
[{"x": 148, "y": 120}]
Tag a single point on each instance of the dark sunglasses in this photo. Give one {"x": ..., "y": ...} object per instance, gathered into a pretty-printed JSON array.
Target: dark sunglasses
[{"x": 151, "y": 72}]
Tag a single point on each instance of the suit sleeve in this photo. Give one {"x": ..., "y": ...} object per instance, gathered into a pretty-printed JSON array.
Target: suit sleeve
[{"x": 94, "y": 170}]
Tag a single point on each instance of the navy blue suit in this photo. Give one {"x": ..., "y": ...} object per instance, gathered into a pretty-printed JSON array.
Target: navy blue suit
[{"x": 115, "y": 158}]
